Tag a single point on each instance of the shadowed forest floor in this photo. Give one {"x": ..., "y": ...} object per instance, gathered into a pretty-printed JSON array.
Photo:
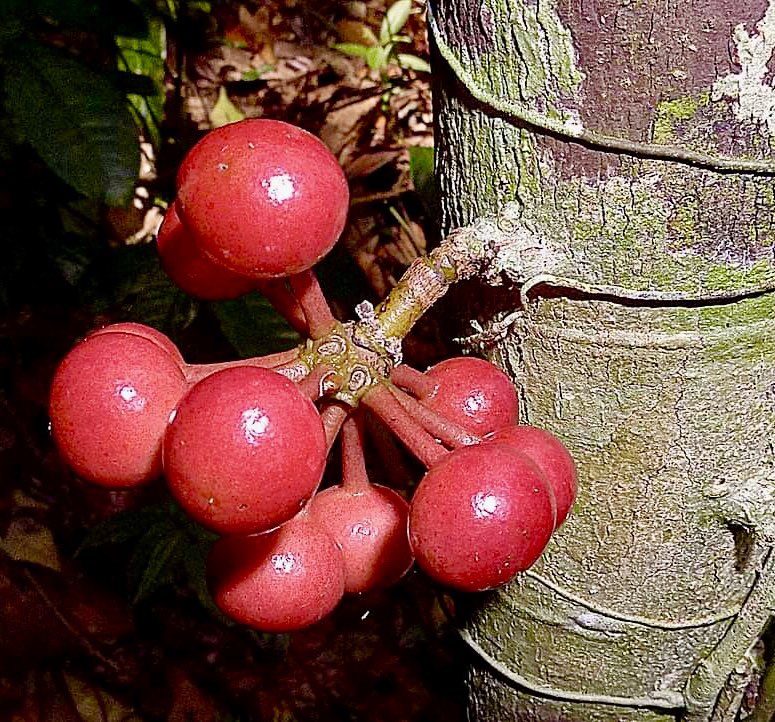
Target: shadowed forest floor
[{"x": 103, "y": 612}]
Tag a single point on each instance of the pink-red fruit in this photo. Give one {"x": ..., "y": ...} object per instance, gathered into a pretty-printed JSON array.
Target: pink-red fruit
[
  {"x": 244, "y": 451},
  {"x": 480, "y": 516},
  {"x": 281, "y": 581},
  {"x": 369, "y": 524},
  {"x": 189, "y": 269},
  {"x": 262, "y": 198},
  {"x": 147, "y": 332},
  {"x": 549, "y": 454},
  {"x": 110, "y": 401},
  {"x": 473, "y": 393}
]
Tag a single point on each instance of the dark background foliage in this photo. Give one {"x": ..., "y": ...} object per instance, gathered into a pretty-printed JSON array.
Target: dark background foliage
[{"x": 104, "y": 612}]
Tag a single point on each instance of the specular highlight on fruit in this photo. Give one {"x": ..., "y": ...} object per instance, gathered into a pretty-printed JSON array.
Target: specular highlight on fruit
[
  {"x": 262, "y": 198},
  {"x": 244, "y": 450},
  {"x": 110, "y": 401}
]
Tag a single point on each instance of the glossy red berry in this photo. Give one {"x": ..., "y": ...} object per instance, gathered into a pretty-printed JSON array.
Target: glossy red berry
[
  {"x": 369, "y": 524},
  {"x": 189, "y": 268},
  {"x": 111, "y": 399},
  {"x": 480, "y": 516},
  {"x": 147, "y": 332},
  {"x": 473, "y": 393},
  {"x": 244, "y": 451},
  {"x": 281, "y": 581},
  {"x": 549, "y": 454},
  {"x": 262, "y": 198}
]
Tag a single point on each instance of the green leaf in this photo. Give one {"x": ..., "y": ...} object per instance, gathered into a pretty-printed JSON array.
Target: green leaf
[
  {"x": 138, "y": 285},
  {"x": 161, "y": 568},
  {"x": 195, "y": 567},
  {"x": 356, "y": 50},
  {"x": 202, "y": 6},
  {"x": 378, "y": 58},
  {"x": 255, "y": 73},
  {"x": 73, "y": 251},
  {"x": 134, "y": 84},
  {"x": 144, "y": 59},
  {"x": 12, "y": 27},
  {"x": 150, "y": 566},
  {"x": 72, "y": 257},
  {"x": 224, "y": 111},
  {"x": 253, "y": 327},
  {"x": 421, "y": 165},
  {"x": 412, "y": 62},
  {"x": 123, "y": 527},
  {"x": 85, "y": 133},
  {"x": 168, "y": 548},
  {"x": 122, "y": 17},
  {"x": 104, "y": 17},
  {"x": 421, "y": 171},
  {"x": 395, "y": 19}
]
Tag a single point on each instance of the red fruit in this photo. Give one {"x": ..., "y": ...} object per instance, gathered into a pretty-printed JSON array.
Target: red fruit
[
  {"x": 480, "y": 516},
  {"x": 190, "y": 269},
  {"x": 111, "y": 398},
  {"x": 262, "y": 198},
  {"x": 244, "y": 451},
  {"x": 473, "y": 393},
  {"x": 283, "y": 580},
  {"x": 369, "y": 524},
  {"x": 549, "y": 454},
  {"x": 147, "y": 332}
]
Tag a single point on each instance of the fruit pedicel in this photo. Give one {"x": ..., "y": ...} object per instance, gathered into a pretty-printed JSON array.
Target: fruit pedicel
[{"x": 243, "y": 444}]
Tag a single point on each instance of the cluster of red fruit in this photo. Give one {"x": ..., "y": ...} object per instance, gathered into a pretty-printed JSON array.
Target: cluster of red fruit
[{"x": 243, "y": 445}]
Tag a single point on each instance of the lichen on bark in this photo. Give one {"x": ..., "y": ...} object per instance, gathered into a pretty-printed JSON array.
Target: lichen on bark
[{"x": 652, "y": 356}]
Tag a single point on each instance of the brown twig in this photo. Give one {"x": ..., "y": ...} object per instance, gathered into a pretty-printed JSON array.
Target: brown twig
[{"x": 427, "y": 279}]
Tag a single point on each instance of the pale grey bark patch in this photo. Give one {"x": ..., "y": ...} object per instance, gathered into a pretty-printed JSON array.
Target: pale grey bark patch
[
  {"x": 749, "y": 88},
  {"x": 662, "y": 390}
]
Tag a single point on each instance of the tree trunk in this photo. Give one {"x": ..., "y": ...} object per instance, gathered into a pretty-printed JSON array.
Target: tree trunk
[{"x": 627, "y": 143}]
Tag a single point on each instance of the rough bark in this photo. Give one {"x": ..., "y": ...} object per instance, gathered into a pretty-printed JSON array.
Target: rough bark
[{"x": 646, "y": 339}]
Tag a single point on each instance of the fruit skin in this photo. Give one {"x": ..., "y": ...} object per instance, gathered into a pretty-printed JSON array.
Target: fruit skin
[
  {"x": 480, "y": 516},
  {"x": 147, "y": 332},
  {"x": 473, "y": 393},
  {"x": 262, "y": 198},
  {"x": 549, "y": 454},
  {"x": 369, "y": 524},
  {"x": 189, "y": 269},
  {"x": 110, "y": 401},
  {"x": 281, "y": 581},
  {"x": 244, "y": 451}
]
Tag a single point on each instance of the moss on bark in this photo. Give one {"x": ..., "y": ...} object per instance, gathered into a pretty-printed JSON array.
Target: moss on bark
[{"x": 653, "y": 357}]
